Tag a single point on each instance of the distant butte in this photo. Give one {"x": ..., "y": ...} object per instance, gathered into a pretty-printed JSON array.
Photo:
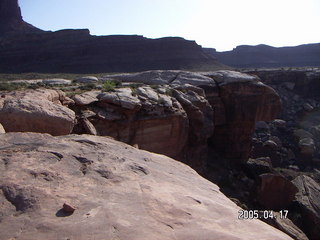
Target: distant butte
[
  {"x": 11, "y": 20},
  {"x": 264, "y": 56}
]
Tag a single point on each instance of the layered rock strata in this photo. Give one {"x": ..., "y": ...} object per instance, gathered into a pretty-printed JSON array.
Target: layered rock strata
[{"x": 179, "y": 119}]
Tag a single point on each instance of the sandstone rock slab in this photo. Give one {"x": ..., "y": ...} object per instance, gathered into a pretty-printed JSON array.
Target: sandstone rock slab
[
  {"x": 86, "y": 98},
  {"x": 119, "y": 192}
]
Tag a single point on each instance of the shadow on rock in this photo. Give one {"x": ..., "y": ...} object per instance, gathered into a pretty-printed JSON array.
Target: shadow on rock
[{"x": 63, "y": 213}]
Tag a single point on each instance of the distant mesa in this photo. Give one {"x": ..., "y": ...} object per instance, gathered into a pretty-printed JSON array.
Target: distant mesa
[
  {"x": 264, "y": 56},
  {"x": 24, "y": 48}
]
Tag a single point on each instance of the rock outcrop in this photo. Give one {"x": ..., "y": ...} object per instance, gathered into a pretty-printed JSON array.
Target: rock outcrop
[
  {"x": 115, "y": 191},
  {"x": 42, "y": 110},
  {"x": 239, "y": 100},
  {"x": 261, "y": 56},
  {"x": 178, "y": 119}
]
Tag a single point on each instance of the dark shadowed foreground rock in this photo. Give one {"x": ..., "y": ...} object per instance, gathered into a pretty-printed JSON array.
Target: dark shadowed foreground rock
[
  {"x": 239, "y": 100},
  {"x": 120, "y": 192},
  {"x": 275, "y": 191},
  {"x": 308, "y": 201},
  {"x": 287, "y": 226},
  {"x": 41, "y": 110}
]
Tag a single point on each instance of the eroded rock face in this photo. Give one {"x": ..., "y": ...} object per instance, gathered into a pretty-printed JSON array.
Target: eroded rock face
[
  {"x": 118, "y": 192},
  {"x": 41, "y": 110},
  {"x": 154, "y": 121},
  {"x": 239, "y": 100}
]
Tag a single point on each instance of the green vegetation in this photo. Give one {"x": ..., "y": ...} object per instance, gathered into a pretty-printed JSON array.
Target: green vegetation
[
  {"x": 168, "y": 91},
  {"x": 155, "y": 86},
  {"x": 5, "y": 86},
  {"x": 88, "y": 86},
  {"x": 32, "y": 76},
  {"x": 109, "y": 85}
]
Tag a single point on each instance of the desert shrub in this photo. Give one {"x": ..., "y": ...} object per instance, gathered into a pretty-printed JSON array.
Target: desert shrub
[
  {"x": 154, "y": 86},
  {"x": 110, "y": 85},
  {"x": 162, "y": 101},
  {"x": 88, "y": 86},
  {"x": 168, "y": 91},
  {"x": 33, "y": 86},
  {"x": 5, "y": 86}
]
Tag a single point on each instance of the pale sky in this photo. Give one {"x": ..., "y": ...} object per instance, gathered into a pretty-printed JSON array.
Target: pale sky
[{"x": 220, "y": 24}]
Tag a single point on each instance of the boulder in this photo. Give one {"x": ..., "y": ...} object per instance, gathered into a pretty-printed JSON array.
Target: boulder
[
  {"x": 39, "y": 110},
  {"x": 307, "y": 146},
  {"x": 275, "y": 191},
  {"x": 271, "y": 144},
  {"x": 279, "y": 123},
  {"x": 262, "y": 126},
  {"x": 57, "y": 81},
  {"x": 301, "y": 133},
  {"x": 315, "y": 131},
  {"x": 87, "y": 79},
  {"x": 148, "y": 93},
  {"x": 2, "y": 129},
  {"x": 86, "y": 98},
  {"x": 110, "y": 191},
  {"x": 122, "y": 97},
  {"x": 308, "y": 107},
  {"x": 308, "y": 205},
  {"x": 258, "y": 166}
]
